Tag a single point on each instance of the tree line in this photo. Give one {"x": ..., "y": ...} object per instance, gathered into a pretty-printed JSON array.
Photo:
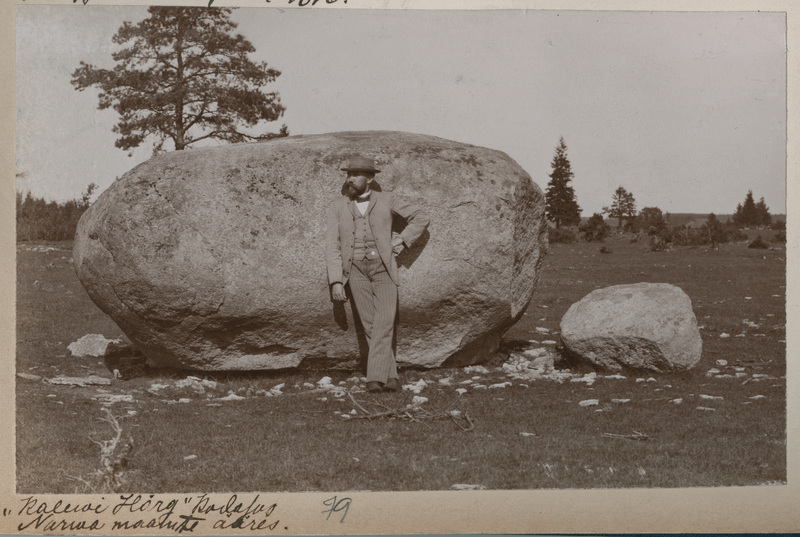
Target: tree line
[{"x": 562, "y": 209}]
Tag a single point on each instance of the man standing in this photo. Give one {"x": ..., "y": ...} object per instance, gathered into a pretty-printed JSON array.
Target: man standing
[{"x": 360, "y": 252}]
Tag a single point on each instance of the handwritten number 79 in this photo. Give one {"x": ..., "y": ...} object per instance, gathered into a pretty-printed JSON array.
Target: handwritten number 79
[{"x": 336, "y": 505}]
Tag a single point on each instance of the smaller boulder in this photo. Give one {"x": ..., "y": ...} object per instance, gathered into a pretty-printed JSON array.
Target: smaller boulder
[
  {"x": 647, "y": 326},
  {"x": 90, "y": 345}
]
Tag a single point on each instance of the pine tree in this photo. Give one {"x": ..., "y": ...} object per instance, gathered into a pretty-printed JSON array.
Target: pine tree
[
  {"x": 184, "y": 76},
  {"x": 623, "y": 205},
  {"x": 561, "y": 206}
]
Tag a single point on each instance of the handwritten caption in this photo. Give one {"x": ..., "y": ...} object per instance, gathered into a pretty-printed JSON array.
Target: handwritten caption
[
  {"x": 183, "y": 514},
  {"x": 301, "y": 3}
]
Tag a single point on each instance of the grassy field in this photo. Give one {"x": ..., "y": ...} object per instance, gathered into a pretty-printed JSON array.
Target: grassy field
[{"x": 248, "y": 433}]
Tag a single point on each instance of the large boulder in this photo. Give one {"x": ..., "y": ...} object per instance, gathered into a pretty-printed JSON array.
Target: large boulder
[
  {"x": 639, "y": 326},
  {"x": 213, "y": 258}
]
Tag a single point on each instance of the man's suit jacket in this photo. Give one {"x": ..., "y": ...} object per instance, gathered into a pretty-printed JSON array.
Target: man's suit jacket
[{"x": 340, "y": 235}]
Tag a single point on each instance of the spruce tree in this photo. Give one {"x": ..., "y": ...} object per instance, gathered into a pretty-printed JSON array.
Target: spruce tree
[{"x": 561, "y": 206}]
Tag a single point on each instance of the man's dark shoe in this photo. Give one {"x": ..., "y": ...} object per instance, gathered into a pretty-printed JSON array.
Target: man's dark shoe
[
  {"x": 374, "y": 386},
  {"x": 392, "y": 385}
]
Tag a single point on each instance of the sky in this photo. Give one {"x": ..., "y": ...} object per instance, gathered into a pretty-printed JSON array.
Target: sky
[{"x": 687, "y": 111}]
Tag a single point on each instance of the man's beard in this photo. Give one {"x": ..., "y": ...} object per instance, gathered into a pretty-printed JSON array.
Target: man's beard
[{"x": 353, "y": 191}]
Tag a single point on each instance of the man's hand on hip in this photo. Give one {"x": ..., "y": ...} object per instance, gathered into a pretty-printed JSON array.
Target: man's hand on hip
[
  {"x": 397, "y": 244},
  {"x": 338, "y": 292}
]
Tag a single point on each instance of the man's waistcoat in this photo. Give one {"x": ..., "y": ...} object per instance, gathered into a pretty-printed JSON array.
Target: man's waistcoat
[{"x": 340, "y": 236}]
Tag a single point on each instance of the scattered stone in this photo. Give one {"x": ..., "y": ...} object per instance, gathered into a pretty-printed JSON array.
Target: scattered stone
[
  {"x": 468, "y": 381},
  {"x": 527, "y": 434},
  {"x": 542, "y": 330},
  {"x": 479, "y": 386},
  {"x": 549, "y": 342},
  {"x": 588, "y": 378},
  {"x": 589, "y": 402},
  {"x": 461, "y": 391},
  {"x": 713, "y": 397},
  {"x": 740, "y": 375},
  {"x": 713, "y": 371},
  {"x": 651, "y": 379},
  {"x": 463, "y": 486},
  {"x": 232, "y": 397},
  {"x": 91, "y": 380},
  {"x": 308, "y": 385},
  {"x": 456, "y": 413},
  {"x": 476, "y": 369},
  {"x": 276, "y": 390},
  {"x": 29, "y": 376},
  {"x": 155, "y": 387},
  {"x": 724, "y": 376},
  {"x": 416, "y": 387},
  {"x": 446, "y": 381},
  {"x": 739, "y": 335},
  {"x": 110, "y": 398},
  {"x": 640, "y": 380},
  {"x": 501, "y": 385},
  {"x": 184, "y": 400},
  {"x": 724, "y": 335},
  {"x": 196, "y": 384},
  {"x": 705, "y": 408},
  {"x": 190, "y": 457},
  {"x": 677, "y": 401},
  {"x": 418, "y": 400},
  {"x": 615, "y": 376},
  {"x": 640, "y": 326},
  {"x": 758, "y": 397},
  {"x": 620, "y": 401},
  {"x": 722, "y": 363},
  {"x": 204, "y": 257},
  {"x": 90, "y": 345}
]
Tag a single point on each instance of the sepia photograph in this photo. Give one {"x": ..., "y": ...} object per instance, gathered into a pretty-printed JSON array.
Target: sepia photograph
[{"x": 289, "y": 248}]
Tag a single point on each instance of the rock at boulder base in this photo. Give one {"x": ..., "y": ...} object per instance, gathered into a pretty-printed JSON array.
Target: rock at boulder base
[
  {"x": 640, "y": 326},
  {"x": 213, "y": 258}
]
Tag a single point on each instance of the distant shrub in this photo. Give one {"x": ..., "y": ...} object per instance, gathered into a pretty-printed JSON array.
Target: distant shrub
[
  {"x": 595, "y": 229},
  {"x": 780, "y": 236},
  {"x": 658, "y": 244},
  {"x": 605, "y": 250},
  {"x": 778, "y": 225},
  {"x": 38, "y": 219},
  {"x": 561, "y": 236},
  {"x": 759, "y": 243}
]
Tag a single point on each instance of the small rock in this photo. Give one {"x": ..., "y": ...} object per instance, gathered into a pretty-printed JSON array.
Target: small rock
[
  {"x": 190, "y": 457},
  {"x": 620, "y": 401},
  {"x": 446, "y": 381},
  {"x": 476, "y": 369},
  {"x": 542, "y": 330},
  {"x": 677, "y": 401},
  {"x": 705, "y": 408},
  {"x": 501, "y": 385},
  {"x": 416, "y": 387},
  {"x": 461, "y": 391},
  {"x": 91, "y": 380},
  {"x": 184, "y": 400},
  {"x": 28, "y": 376},
  {"x": 462, "y": 486},
  {"x": 527, "y": 434},
  {"x": 616, "y": 376},
  {"x": 589, "y": 402},
  {"x": 710, "y": 397},
  {"x": 724, "y": 335},
  {"x": 549, "y": 342},
  {"x": 722, "y": 363},
  {"x": 90, "y": 345},
  {"x": 758, "y": 397},
  {"x": 110, "y": 399},
  {"x": 232, "y": 397}
]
